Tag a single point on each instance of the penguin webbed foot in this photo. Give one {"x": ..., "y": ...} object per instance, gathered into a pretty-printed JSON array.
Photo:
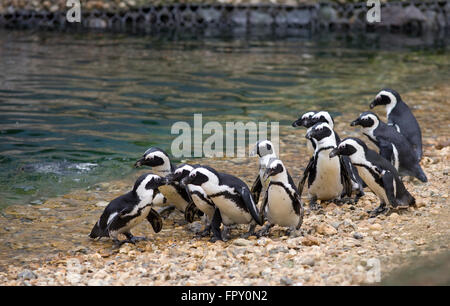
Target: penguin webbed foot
[
  {"x": 264, "y": 231},
  {"x": 314, "y": 206},
  {"x": 204, "y": 233},
  {"x": 377, "y": 211},
  {"x": 226, "y": 233},
  {"x": 250, "y": 232},
  {"x": 166, "y": 211},
  {"x": 215, "y": 238}
]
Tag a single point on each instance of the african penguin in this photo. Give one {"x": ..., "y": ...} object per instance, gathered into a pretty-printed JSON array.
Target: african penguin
[
  {"x": 265, "y": 151},
  {"x": 393, "y": 146},
  {"x": 305, "y": 121},
  {"x": 129, "y": 210},
  {"x": 400, "y": 116},
  {"x": 328, "y": 178},
  {"x": 161, "y": 164},
  {"x": 378, "y": 173},
  {"x": 282, "y": 203},
  {"x": 199, "y": 197},
  {"x": 231, "y": 196}
]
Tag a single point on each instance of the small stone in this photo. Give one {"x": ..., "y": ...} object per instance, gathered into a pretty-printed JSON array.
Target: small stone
[
  {"x": 242, "y": 242},
  {"x": 101, "y": 204},
  {"x": 97, "y": 282},
  {"x": 358, "y": 235},
  {"x": 375, "y": 227},
  {"x": 310, "y": 241},
  {"x": 309, "y": 262},
  {"x": 26, "y": 275},
  {"x": 394, "y": 216},
  {"x": 326, "y": 229},
  {"x": 286, "y": 281}
]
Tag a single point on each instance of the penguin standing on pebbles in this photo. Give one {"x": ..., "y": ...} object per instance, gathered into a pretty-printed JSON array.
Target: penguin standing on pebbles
[
  {"x": 198, "y": 195},
  {"x": 129, "y": 210},
  {"x": 378, "y": 173},
  {"x": 393, "y": 146},
  {"x": 265, "y": 151},
  {"x": 328, "y": 178},
  {"x": 231, "y": 196},
  {"x": 173, "y": 192},
  {"x": 309, "y": 120},
  {"x": 282, "y": 203},
  {"x": 400, "y": 116}
]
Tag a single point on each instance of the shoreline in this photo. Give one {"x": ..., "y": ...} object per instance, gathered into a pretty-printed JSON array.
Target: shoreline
[
  {"x": 215, "y": 18},
  {"x": 50, "y": 240}
]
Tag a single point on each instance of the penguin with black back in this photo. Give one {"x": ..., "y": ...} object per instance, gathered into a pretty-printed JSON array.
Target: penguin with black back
[
  {"x": 393, "y": 146},
  {"x": 400, "y": 116},
  {"x": 128, "y": 210},
  {"x": 378, "y": 173}
]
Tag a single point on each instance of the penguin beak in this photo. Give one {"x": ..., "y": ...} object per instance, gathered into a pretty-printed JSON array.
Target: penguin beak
[
  {"x": 356, "y": 122},
  {"x": 334, "y": 152},
  {"x": 139, "y": 163},
  {"x": 375, "y": 102},
  {"x": 300, "y": 122},
  {"x": 164, "y": 181},
  {"x": 169, "y": 178},
  {"x": 186, "y": 181},
  {"x": 267, "y": 174}
]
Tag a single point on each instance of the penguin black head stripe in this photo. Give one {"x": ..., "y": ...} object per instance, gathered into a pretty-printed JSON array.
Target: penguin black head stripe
[
  {"x": 319, "y": 131},
  {"x": 388, "y": 97},
  {"x": 322, "y": 116},
  {"x": 153, "y": 157},
  {"x": 366, "y": 120},
  {"x": 304, "y": 120}
]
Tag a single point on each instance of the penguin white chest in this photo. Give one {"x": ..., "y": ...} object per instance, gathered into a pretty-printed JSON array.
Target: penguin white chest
[
  {"x": 279, "y": 209},
  {"x": 173, "y": 197},
  {"x": 368, "y": 178},
  {"x": 327, "y": 183},
  {"x": 230, "y": 212}
]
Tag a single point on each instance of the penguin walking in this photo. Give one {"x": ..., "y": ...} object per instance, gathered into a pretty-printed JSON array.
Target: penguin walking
[
  {"x": 197, "y": 194},
  {"x": 328, "y": 178},
  {"x": 125, "y": 212},
  {"x": 173, "y": 192},
  {"x": 378, "y": 173},
  {"x": 232, "y": 198},
  {"x": 393, "y": 146},
  {"x": 400, "y": 116},
  {"x": 265, "y": 151},
  {"x": 282, "y": 204}
]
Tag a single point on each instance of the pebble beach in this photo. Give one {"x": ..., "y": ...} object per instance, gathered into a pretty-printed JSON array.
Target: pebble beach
[{"x": 47, "y": 243}]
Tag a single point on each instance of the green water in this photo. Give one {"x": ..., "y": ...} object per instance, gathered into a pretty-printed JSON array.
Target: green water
[{"x": 76, "y": 109}]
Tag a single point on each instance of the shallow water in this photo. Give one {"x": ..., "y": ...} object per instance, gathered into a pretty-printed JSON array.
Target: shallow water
[{"x": 76, "y": 109}]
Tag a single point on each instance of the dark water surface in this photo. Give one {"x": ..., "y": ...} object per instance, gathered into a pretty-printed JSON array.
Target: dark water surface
[{"x": 76, "y": 109}]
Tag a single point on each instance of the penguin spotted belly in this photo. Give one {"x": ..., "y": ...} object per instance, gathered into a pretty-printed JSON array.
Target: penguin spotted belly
[
  {"x": 327, "y": 183},
  {"x": 370, "y": 181},
  {"x": 231, "y": 214},
  {"x": 279, "y": 209},
  {"x": 173, "y": 197}
]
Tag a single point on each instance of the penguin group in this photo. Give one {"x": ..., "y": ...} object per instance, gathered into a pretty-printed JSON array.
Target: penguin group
[{"x": 337, "y": 170}]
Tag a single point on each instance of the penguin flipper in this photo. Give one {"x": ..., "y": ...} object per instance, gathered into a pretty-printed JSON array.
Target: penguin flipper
[
  {"x": 346, "y": 178},
  {"x": 385, "y": 149},
  {"x": 250, "y": 204},
  {"x": 155, "y": 220},
  {"x": 215, "y": 226},
  {"x": 264, "y": 203},
  {"x": 388, "y": 183},
  {"x": 298, "y": 208},
  {"x": 301, "y": 184},
  {"x": 256, "y": 189},
  {"x": 190, "y": 212}
]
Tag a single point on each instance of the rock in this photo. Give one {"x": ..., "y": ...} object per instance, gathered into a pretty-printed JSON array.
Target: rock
[
  {"x": 309, "y": 262},
  {"x": 286, "y": 281},
  {"x": 26, "y": 275},
  {"x": 326, "y": 229},
  {"x": 310, "y": 241},
  {"x": 73, "y": 278},
  {"x": 97, "y": 282},
  {"x": 195, "y": 227},
  {"x": 375, "y": 227},
  {"x": 394, "y": 216},
  {"x": 242, "y": 242},
  {"x": 102, "y": 204},
  {"x": 358, "y": 235}
]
